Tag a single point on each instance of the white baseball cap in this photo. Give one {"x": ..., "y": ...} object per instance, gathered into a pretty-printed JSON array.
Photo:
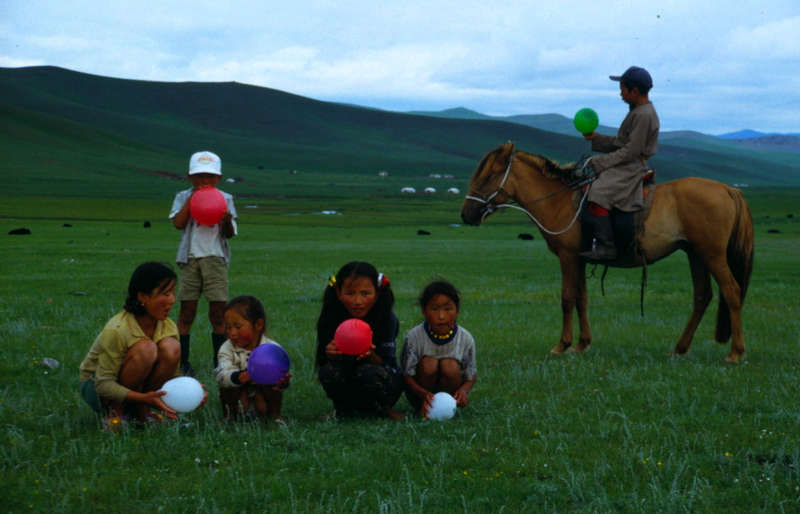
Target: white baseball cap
[{"x": 205, "y": 162}]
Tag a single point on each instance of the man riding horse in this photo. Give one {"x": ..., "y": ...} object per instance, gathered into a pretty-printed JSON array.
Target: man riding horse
[{"x": 621, "y": 170}]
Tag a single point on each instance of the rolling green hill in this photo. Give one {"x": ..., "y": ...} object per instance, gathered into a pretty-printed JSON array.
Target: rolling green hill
[{"x": 75, "y": 134}]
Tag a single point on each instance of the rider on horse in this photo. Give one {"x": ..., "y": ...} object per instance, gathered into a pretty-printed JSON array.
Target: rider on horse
[{"x": 621, "y": 170}]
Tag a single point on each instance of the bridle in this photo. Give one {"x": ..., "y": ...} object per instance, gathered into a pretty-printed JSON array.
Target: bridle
[{"x": 489, "y": 207}]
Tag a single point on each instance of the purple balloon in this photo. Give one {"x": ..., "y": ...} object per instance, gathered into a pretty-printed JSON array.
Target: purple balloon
[{"x": 268, "y": 363}]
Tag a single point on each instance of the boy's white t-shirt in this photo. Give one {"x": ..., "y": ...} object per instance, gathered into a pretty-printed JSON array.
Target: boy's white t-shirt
[
  {"x": 205, "y": 241},
  {"x": 201, "y": 240}
]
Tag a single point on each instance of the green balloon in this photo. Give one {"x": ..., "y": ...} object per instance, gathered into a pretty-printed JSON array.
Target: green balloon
[{"x": 585, "y": 120}]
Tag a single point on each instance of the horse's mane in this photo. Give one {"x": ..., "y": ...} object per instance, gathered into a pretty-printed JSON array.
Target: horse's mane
[{"x": 549, "y": 169}]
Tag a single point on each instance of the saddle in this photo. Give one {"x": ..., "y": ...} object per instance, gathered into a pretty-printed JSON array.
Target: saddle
[{"x": 628, "y": 227}]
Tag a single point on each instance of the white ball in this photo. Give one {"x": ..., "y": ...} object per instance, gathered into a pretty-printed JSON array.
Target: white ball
[
  {"x": 184, "y": 394},
  {"x": 443, "y": 407}
]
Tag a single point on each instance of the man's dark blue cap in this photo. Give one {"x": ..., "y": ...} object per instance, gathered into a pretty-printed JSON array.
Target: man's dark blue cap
[{"x": 635, "y": 75}]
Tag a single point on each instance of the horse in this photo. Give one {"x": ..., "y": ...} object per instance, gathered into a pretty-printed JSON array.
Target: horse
[{"x": 708, "y": 220}]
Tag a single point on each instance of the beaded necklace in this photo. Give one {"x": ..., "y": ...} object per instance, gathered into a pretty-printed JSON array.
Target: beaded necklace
[{"x": 440, "y": 338}]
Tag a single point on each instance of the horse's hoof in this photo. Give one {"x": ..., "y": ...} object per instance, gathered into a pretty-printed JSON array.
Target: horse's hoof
[
  {"x": 560, "y": 348},
  {"x": 733, "y": 359},
  {"x": 581, "y": 347}
]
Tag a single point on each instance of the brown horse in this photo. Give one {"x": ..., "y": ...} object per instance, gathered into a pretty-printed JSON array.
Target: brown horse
[{"x": 708, "y": 220}]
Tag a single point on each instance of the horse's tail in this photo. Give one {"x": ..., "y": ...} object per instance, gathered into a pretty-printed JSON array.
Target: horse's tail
[{"x": 740, "y": 260}]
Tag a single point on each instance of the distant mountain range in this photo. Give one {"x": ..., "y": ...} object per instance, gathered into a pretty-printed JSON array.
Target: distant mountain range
[
  {"x": 563, "y": 125},
  {"x": 63, "y": 132},
  {"x": 753, "y": 134}
]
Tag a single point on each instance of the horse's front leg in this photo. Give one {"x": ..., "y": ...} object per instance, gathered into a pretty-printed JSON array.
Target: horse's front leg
[
  {"x": 581, "y": 303},
  {"x": 573, "y": 295}
]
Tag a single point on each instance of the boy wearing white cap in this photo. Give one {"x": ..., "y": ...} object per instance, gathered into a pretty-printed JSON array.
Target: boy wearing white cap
[{"x": 203, "y": 256}]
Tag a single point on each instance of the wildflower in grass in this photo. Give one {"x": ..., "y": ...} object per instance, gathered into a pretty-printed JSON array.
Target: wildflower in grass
[
  {"x": 659, "y": 464},
  {"x": 728, "y": 454}
]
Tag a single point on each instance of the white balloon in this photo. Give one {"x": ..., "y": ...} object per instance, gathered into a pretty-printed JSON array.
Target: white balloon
[
  {"x": 443, "y": 407},
  {"x": 184, "y": 394}
]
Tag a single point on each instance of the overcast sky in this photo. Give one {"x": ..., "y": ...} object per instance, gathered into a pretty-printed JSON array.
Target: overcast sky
[{"x": 716, "y": 66}]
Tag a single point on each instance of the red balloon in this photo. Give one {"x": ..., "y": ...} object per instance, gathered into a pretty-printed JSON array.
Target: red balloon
[
  {"x": 353, "y": 337},
  {"x": 207, "y": 206}
]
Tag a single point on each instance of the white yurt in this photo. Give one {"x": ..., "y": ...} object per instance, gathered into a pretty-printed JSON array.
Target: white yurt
[
  {"x": 430, "y": 190},
  {"x": 453, "y": 191},
  {"x": 408, "y": 190}
]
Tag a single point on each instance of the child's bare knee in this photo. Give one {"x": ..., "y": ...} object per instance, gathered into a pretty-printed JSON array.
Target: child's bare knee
[
  {"x": 169, "y": 349},
  {"x": 143, "y": 351},
  {"x": 450, "y": 367},
  {"x": 428, "y": 367},
  {"x": 450, "y": 373}
]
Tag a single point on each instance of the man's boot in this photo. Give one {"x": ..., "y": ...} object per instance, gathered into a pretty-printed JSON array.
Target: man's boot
[{"x": 603, "y": 247}]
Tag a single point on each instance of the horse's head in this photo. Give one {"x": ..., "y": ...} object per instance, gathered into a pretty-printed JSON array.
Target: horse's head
[{"x": 488, "y": 186}]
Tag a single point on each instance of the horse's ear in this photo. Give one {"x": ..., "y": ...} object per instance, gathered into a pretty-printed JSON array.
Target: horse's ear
[{"x": 508, "y": 150}]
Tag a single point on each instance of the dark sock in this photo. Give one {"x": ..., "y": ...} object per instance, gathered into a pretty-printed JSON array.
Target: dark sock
[
  {"x": 216, "y": 342},
  {"x": 184, "y": 338},
  {"x": 186, "y": 368}
]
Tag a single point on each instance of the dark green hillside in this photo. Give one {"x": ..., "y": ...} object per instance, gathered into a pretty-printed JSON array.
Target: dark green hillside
[
  {"x": 74, "y": 134},
  {"x": 260, "y": 126}
]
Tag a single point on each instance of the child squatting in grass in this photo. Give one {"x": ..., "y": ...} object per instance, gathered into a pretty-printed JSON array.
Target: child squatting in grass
[
  {"x": 245, "y": 325},
  {"x": 369, "y": 383},
  {"x": 203, "y": 256},
  {"x": 438, "y": 354},
  {"x": 136, "y": 352}
]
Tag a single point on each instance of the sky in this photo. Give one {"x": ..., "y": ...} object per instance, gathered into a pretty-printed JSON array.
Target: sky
[{"x": 717, "y": 66}]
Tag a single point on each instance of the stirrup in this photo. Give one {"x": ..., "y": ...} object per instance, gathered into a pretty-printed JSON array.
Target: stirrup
[{"x": 600, "y": 252}]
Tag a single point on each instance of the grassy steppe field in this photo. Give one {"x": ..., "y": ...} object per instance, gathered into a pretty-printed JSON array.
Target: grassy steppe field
[{"x": 622, "y": 428}]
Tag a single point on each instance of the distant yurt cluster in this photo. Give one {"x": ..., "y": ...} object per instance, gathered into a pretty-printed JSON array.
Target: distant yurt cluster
[{"x": 429, "y": 190}]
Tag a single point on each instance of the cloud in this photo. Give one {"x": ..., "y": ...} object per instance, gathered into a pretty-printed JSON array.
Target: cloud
[
  {"x": 61, "y": 43},
  {"x": 12, "y": 62},
  {"x": 773, "y": 40},
  {"x": 521, "y": 57}
]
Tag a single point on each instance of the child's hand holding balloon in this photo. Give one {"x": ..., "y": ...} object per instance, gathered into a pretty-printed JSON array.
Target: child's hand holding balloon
[
  {"x": 367, "y": 353},
  {"x": 283, "y": 383}
]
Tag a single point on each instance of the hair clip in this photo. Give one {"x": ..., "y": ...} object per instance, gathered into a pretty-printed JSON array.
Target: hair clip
[
  {"x": 383, "y": 282},
  {"x": 332, "y": 281}
]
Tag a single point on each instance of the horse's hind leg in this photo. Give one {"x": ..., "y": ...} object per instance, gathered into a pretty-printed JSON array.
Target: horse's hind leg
[
  {"x": 701, "y": 281},
  {"x": 730, "y": 294}
]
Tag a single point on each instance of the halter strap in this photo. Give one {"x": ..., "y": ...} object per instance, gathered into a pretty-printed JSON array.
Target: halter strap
[{"x": 500, "y": 187}]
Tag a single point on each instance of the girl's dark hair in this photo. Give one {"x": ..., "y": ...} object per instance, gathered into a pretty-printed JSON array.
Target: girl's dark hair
[
  {"x": 334, "y": 312},
  {"x": 250, "y": 309},
  {"x": 146, "y": 278},
  {"x": 439, "y": 287}
]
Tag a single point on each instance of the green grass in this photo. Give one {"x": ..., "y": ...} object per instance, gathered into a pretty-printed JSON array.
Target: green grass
[{"x": 621, "y": 429}]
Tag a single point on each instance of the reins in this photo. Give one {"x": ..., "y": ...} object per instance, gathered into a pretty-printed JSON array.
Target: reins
[{"x": 490, "y": 208}]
